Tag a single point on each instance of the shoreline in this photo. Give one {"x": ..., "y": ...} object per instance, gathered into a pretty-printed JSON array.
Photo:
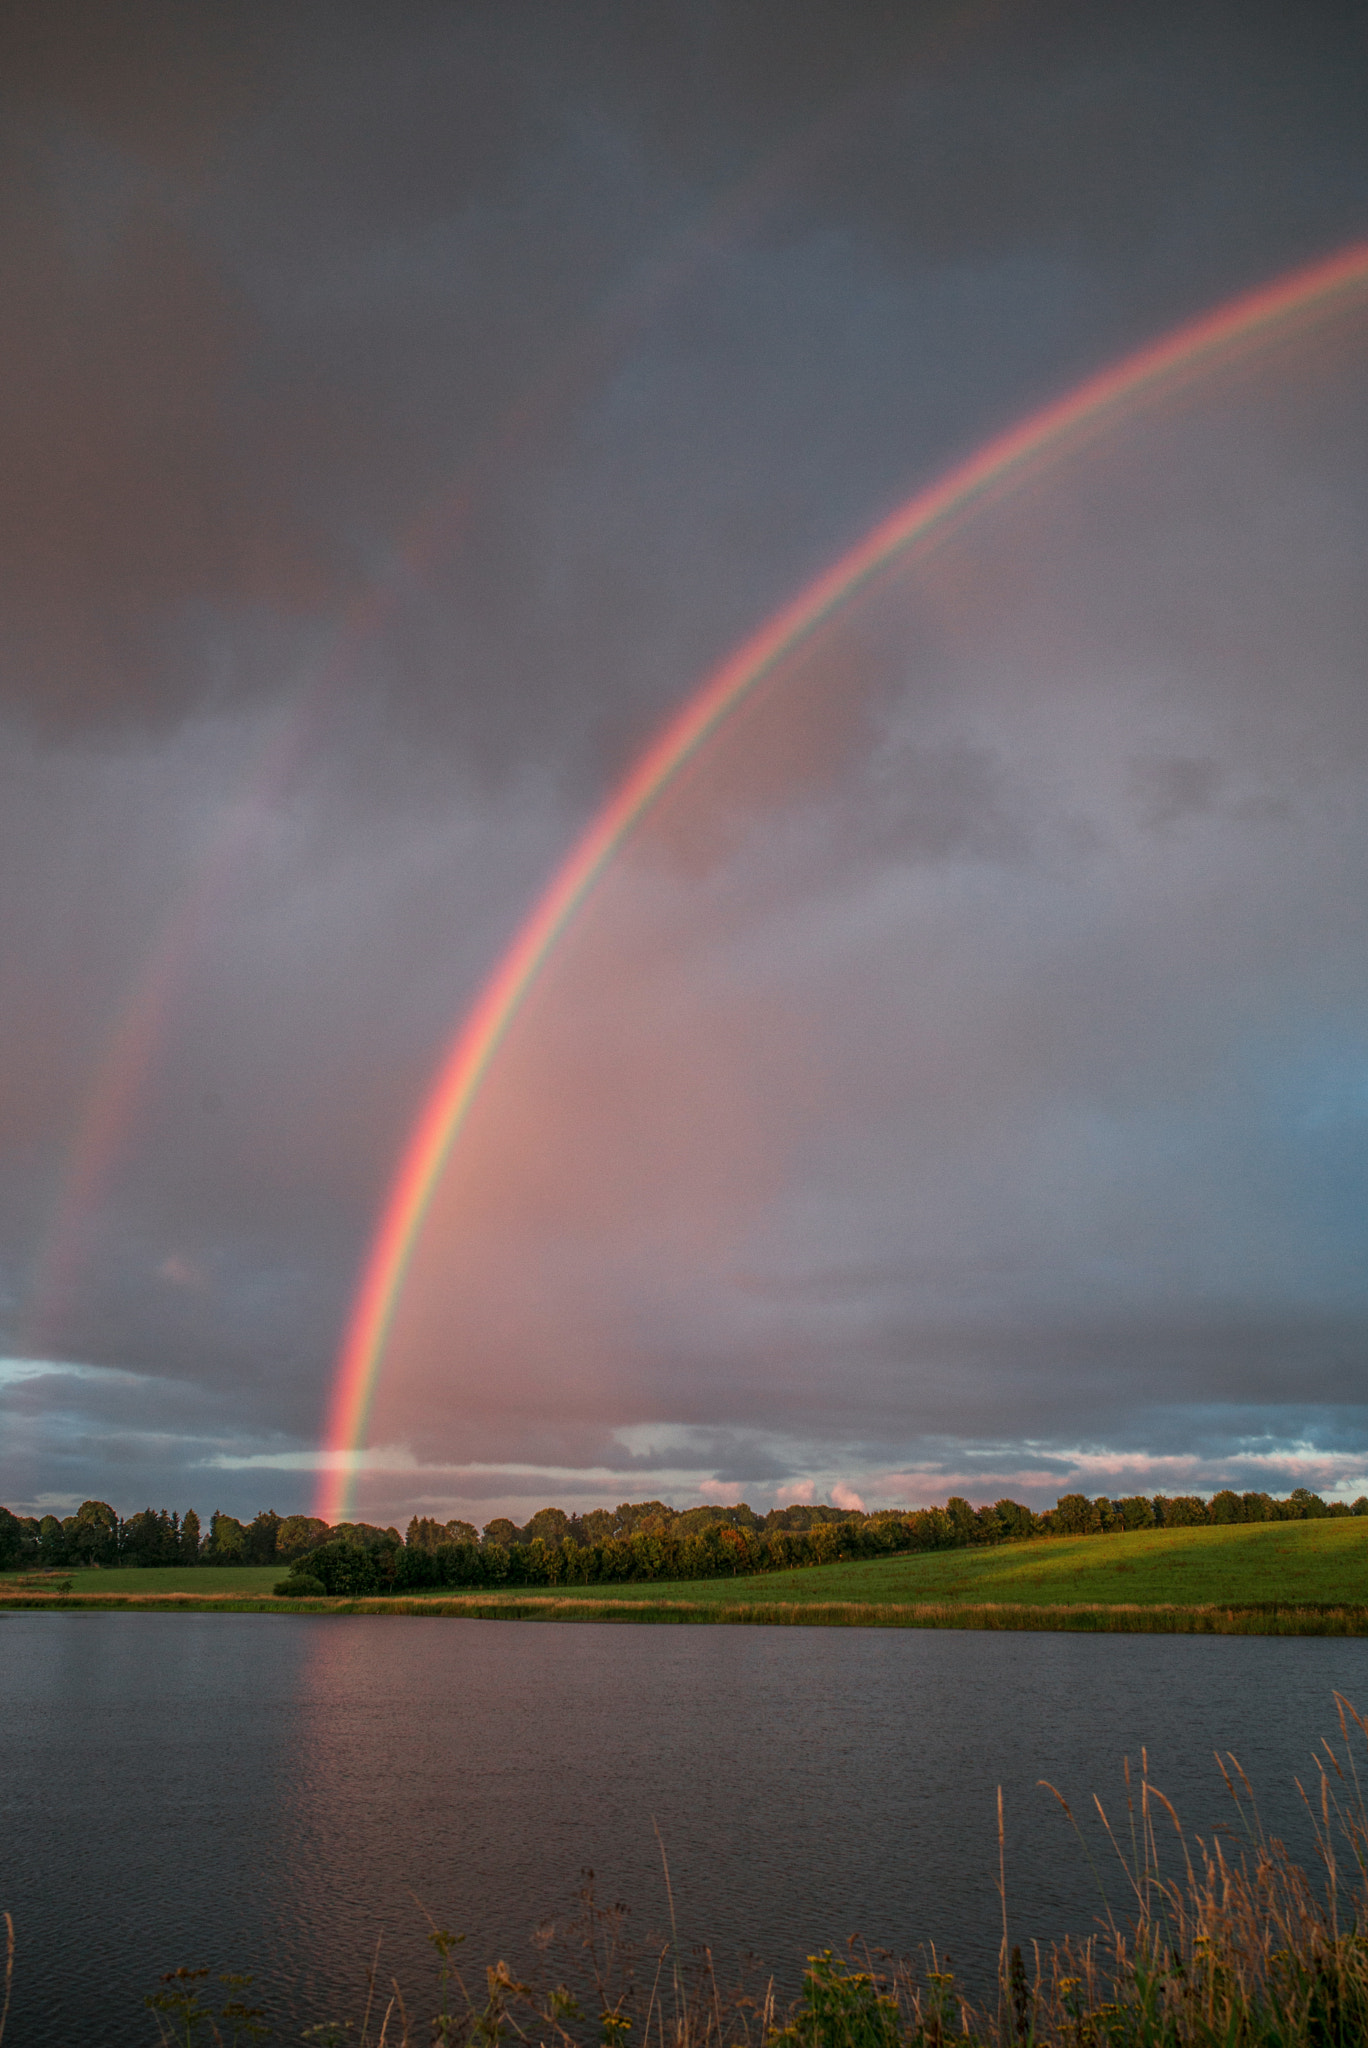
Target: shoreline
[{"x": 1302, "y": 1618}]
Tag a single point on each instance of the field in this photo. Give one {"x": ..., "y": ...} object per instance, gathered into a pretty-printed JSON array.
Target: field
[
  {"x": 255, "y": 1580},
  {"x": 1232, "y": 1578},
  {"x": 1243, "y": 1564}
]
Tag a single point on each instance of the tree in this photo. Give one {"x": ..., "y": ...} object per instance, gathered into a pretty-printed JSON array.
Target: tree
[
  {"x": 1014, "y": 1521},
  {"x": 502, "y": 1531},
  {"x": 150, "y": 1538},
  {"x": 52, "y": 1544},
  {"x": 298, "y": 1534},
  {"x": 190, "y": 1538},
  {"x": 365, "y": 1535},
  {"x": 345, "y": 1570},
  {"x": 226, "y": 1540},
  {"x": 1226, "y": 1506},
  {"x": 549, "y": 1525},
  {"x": 1137, "y": 1512},
  {"x": 259, "y": 1542},
  {"x": 1075, "y": 1515},
  {"x": 1182, "y": 1511},
  {"x": 11, "y": 1540},
  {"x": 93, "y": 1533}
]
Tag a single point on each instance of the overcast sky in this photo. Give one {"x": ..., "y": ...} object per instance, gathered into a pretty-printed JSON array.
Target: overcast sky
[{"x": 961, "y": 1083}]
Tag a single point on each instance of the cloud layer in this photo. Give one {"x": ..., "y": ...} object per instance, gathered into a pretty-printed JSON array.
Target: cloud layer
[{"x": 962, "y": 1081}]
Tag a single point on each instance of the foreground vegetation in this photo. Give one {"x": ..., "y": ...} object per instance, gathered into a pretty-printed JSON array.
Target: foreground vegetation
[{"x": 1221, "y": 1944}]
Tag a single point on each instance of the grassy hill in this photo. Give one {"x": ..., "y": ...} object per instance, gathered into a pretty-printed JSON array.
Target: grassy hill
[{"x": 1241, "y": 1564}]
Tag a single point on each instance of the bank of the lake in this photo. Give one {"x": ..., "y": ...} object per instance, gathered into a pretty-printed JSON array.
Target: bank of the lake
[{"x": 1280, "y": 1578}]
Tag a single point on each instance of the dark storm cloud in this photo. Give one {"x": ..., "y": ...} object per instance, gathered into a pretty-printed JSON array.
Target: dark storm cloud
[
  {"x": 402, "y": 409},
  {"x": 270, "y": 292}
]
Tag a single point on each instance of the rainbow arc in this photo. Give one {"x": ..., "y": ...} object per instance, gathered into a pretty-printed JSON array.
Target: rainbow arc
[{"x": 1006, "y": 464}]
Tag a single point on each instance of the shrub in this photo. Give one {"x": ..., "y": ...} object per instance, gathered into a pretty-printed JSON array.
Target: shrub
[
  {"x": 344, "y": 1569},
  {"x": 299, "y": 1586}
]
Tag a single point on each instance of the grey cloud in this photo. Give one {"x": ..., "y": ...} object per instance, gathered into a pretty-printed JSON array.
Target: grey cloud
[
  {"x": 405, "y": 411},
  {"x": 1173, "y": 788}
]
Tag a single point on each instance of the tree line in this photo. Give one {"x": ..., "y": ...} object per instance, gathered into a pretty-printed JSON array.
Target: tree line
[
  {"x": 651, "y": 1541},
  {"x": 638, "y": 1540},
  {"x": 96, "y": 1535}
]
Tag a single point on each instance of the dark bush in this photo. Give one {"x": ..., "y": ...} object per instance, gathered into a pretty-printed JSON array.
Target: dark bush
[
  {"x": 299, "y": 1586},
  {"x": 345, "y": 1570}
]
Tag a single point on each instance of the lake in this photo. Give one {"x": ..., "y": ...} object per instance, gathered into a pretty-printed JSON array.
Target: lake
[{"x": 276, "y": 1793}]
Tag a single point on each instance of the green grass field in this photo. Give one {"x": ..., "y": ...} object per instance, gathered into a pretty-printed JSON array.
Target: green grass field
[
  {"x": 238, "y": 1580},
  {"x": 1242, "y": 1564},
  {"x": 1310, "y": 1564}
]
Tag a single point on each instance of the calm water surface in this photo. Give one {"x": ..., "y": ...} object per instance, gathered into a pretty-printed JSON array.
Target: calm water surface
[{"x": 273, "y": 1793}]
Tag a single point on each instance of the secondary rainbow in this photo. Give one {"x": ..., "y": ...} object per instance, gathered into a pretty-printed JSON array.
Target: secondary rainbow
[{"x": 1004, "y": 464}]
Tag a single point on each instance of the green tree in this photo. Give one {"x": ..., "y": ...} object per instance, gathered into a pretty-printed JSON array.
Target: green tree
[
  {"x": 548, "y": 1525},
  {"x": 1075, "y": 1515},
  {"x": 960, "y": 1516},
  {"x": 1137, "y": 1512},
  {"x": 1226, "y": 1506},
  {"x": 149, "y": 1538},
  {"x": 502, "y": 1532},
  {"x": 259, "y": 1541},
  {"x": 346, "y": 1570},
  {"x": 1014, "y": 1521},
  {"x": 298, "y": 1534},
  {"x": 190, "y": 1538},
  {"x": 52, "y": 1542},
  {"x": 93, "y": 1534},
  {"x": 365, "y": 1535},
  {"x": 1180, "y": 1511},
  {"x": 227, "y": 1538}
]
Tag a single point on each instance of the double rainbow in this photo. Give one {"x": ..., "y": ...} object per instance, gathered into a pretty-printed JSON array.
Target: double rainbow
[{"x": 1003, "y": 465}]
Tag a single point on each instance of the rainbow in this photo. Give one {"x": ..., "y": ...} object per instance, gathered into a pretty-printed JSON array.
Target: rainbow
[{"x": 1005, "y": 464}]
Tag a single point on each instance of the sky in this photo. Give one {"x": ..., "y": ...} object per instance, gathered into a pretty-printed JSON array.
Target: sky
[{"x": 959, "y": 1082}]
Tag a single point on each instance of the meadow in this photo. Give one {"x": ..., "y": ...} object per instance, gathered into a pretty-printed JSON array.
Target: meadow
[
  {"x": 254, "y": 1579},
  {"x": 1239, "y": 1564},
  {"x": 1147, "y": 1578}
]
